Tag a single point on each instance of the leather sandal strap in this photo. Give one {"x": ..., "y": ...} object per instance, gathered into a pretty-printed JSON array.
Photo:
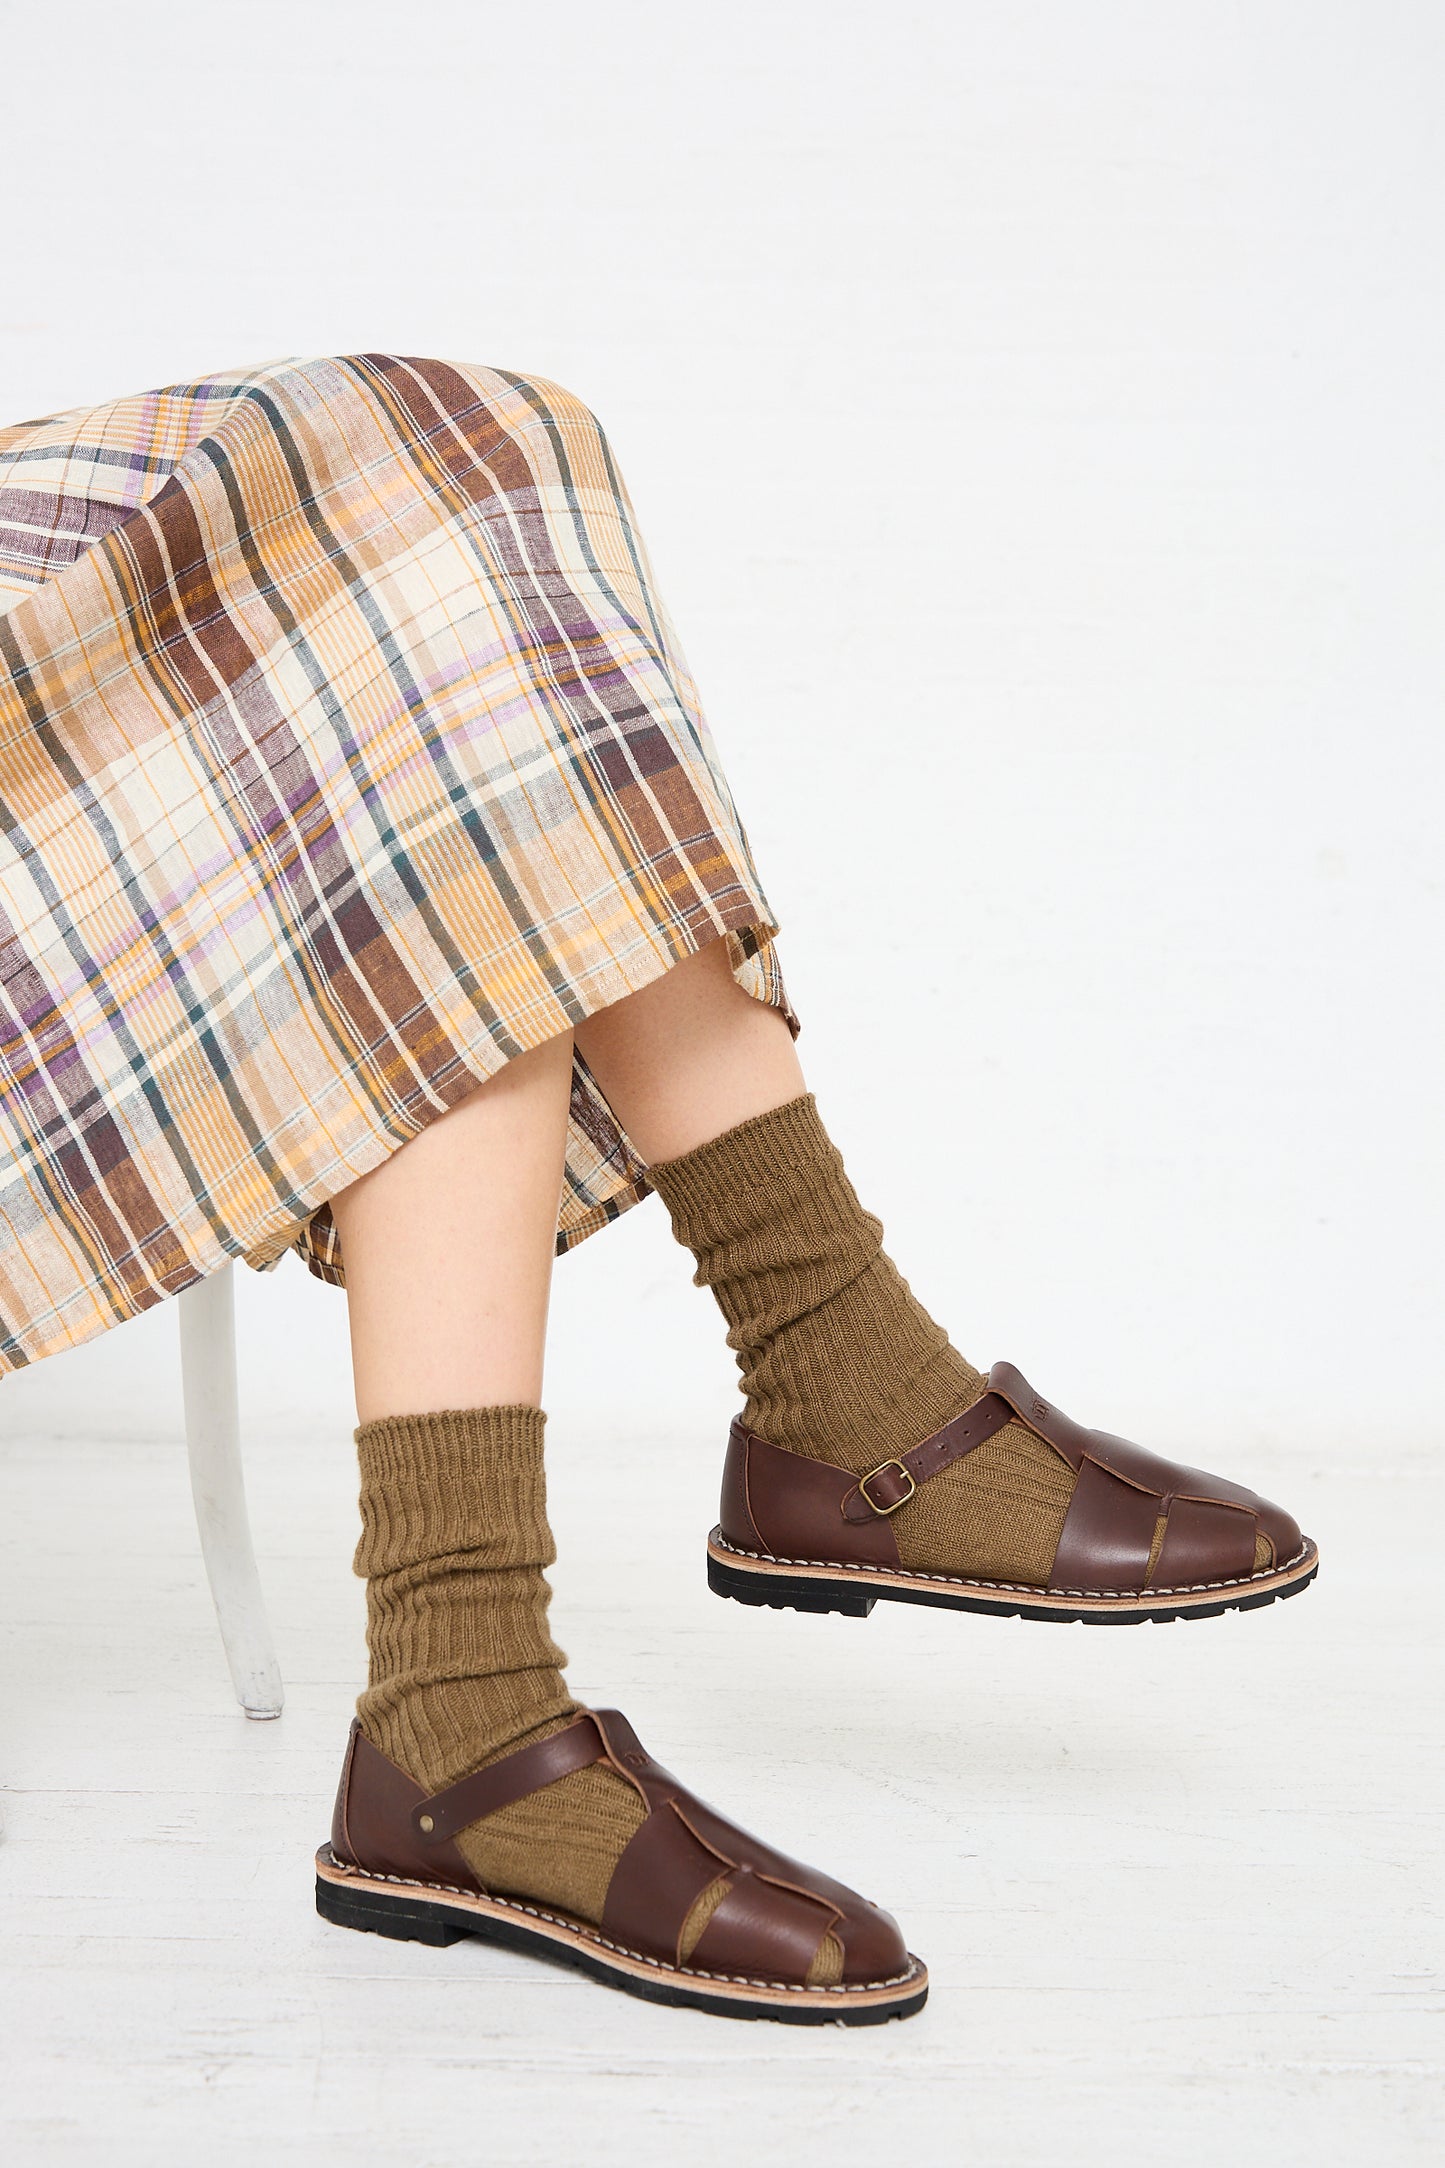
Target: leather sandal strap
[
  {"x": 1136, "y": 1521},
  {"x": 436, "y": 1820},
  {"x": 762, "y": 1925},
  {"x": 890, "y": 1485}
]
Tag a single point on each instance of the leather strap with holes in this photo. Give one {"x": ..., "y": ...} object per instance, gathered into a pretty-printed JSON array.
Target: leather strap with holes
[{"x": 890, "y": 1485}]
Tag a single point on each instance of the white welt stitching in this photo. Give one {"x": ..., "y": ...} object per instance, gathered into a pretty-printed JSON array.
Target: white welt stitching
[
  {"x": 1011, "y": 1588},
  {"x": 639, "y": 1957}
]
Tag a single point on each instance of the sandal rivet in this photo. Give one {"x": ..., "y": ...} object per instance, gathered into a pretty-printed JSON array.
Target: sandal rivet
[{"x": 426, "y": 1825}]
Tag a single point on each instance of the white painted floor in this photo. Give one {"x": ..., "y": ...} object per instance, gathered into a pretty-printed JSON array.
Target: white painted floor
[{"x": 1179, "y": 1887}]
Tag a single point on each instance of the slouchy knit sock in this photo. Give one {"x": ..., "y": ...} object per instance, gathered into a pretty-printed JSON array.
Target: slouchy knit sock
[
  {"x": 463, "y": 1669},
  {"x": 838, "y": 1358}
]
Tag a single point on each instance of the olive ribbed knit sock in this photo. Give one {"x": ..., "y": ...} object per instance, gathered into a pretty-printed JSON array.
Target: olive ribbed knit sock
[
  {"x": 838, "y": 1359},
  {"x": 463, "y": 1670}
]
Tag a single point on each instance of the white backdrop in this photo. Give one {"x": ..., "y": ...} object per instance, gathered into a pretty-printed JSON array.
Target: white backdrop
[{"x": 1034, "y": 414}]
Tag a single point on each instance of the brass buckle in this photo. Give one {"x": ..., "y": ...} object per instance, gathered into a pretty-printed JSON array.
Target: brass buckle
[{"x": 883, "y": 1465}]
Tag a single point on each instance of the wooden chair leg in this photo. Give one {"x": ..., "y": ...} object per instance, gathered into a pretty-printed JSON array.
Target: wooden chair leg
[{"x": 213, "y": 1442}]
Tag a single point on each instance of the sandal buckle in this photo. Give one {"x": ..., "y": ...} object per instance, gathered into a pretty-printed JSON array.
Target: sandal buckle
[{"x": 882, "y": 1469}]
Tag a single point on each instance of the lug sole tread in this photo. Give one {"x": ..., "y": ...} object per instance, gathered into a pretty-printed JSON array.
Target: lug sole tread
[{"x": 809, "y": 1590}]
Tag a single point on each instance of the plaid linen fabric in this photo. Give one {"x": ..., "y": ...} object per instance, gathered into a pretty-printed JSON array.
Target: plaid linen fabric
[{"x": 346, "y": 751}]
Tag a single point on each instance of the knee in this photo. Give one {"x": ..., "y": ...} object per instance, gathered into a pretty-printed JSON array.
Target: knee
[{"x": 420, "y": 382}]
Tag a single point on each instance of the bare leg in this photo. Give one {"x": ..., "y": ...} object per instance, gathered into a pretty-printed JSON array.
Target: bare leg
[
  {"x": 448, "y": 1248},
  {"x": 690, "y": 1056}
]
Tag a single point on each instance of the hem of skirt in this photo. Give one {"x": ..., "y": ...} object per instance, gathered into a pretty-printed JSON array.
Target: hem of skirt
[
  {"x": 110, "y": 1306},
  {"x": 748, "y": 913},
  {"x": 751, "y": 915}
]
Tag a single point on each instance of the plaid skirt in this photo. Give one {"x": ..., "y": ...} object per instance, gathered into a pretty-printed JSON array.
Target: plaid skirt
[{"x": 346, "y": 751}]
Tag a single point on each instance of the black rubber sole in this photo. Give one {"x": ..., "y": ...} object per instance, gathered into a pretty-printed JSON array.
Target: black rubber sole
[
  {"x": 854, "y": 1599},
  {"x": 404, "y": 1915}
]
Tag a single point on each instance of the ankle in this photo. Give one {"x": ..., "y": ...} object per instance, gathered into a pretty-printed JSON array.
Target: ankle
[
  {"x": 440, "y": 1731},
  {"x": 839, "y": 1391}
]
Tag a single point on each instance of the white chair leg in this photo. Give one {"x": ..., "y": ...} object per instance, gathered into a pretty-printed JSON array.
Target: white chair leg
[{"x": 213, "y": 1441}]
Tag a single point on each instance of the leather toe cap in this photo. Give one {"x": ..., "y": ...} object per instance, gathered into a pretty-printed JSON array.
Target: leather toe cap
[{"x": 873, "y": 1945}]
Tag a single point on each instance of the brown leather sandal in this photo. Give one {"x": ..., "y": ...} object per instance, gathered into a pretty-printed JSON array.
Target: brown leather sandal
[
  {"x": 392, "y": 1868},
  {"x": 1143, "y": 1537}
]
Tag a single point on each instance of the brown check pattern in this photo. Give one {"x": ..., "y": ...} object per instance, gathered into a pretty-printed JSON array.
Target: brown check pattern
[{"x": 345, "y": 752}]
